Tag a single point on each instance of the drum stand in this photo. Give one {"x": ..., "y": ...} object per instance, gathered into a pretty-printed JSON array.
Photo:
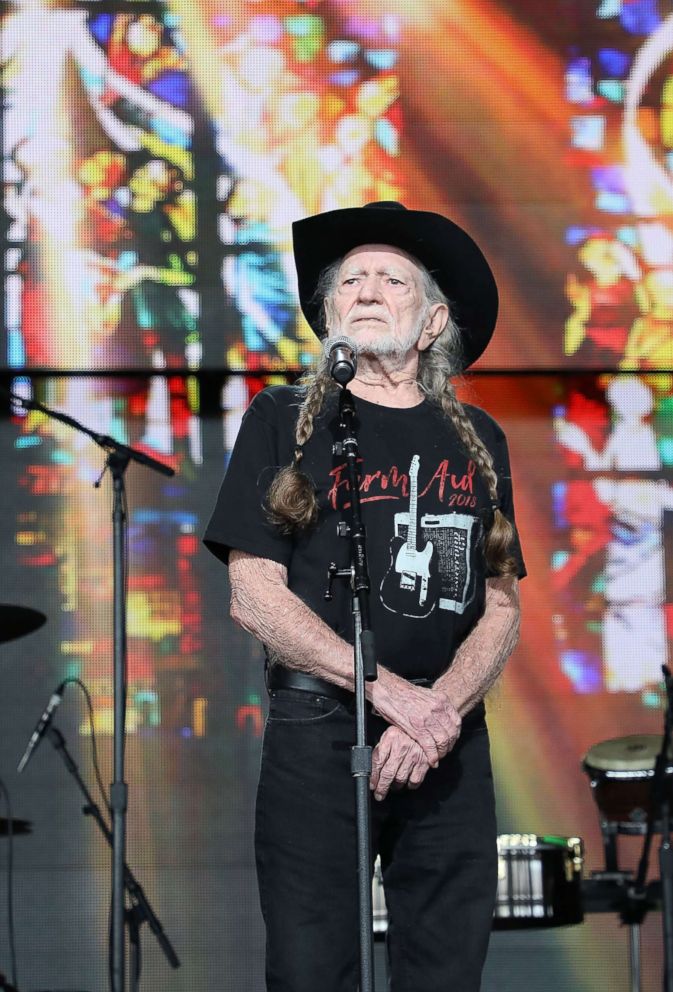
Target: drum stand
[
  {"x": 634, "y": 956},
  {"x": 635, "y": 902},
  {"x": 659, "y": 809},
  {"x": 634, "y": 905}
]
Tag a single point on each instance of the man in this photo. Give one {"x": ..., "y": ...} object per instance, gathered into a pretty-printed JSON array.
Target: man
[{"x": 444, "y": 561}]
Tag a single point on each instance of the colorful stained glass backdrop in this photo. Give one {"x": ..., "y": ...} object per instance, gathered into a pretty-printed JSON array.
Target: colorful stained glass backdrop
[
  {"x": 131, "y": 136},
  {"x": 154, "y": 156}
]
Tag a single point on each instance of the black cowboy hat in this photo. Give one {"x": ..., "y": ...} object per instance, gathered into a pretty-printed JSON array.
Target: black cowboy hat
[{"x": 446, "y": 250}]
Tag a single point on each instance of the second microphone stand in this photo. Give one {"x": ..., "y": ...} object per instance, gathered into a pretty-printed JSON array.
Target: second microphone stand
[
  {"x": 118, "y": 458},
  {"x": 365, "y": 670},
  {"x": 140, "y": 910}
]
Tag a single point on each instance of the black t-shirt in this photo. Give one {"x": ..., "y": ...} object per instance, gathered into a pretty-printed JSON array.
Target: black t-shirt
[{"x": 423, "y": 507}]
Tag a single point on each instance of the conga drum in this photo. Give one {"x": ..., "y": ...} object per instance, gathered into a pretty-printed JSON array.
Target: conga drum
[
  {"x": 620, "y": 772},
  {"x": 539, "y": 882}
]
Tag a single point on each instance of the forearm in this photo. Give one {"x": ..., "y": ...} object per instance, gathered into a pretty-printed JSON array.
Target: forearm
[
  {"x": 397, "y": 759},
  {"x": 288, "y": 628},
  {"x": 482, "y": 655},
  {"x": 263, "y": 605}
]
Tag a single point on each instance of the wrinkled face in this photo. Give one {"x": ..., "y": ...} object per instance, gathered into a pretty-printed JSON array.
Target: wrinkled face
[{"x": 378, "y": 301}]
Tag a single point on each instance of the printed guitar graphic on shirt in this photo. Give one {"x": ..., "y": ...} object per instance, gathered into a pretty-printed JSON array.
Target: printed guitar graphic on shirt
[{"x": 411, "y": 585}]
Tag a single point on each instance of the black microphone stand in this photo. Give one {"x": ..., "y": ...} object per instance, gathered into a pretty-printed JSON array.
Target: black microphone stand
[
  {"x": 117, "y": 461},
  {"x": 140, "y": 910},
  {"x": 364, "y": 660},
  {"x": 660, "y": 806}
]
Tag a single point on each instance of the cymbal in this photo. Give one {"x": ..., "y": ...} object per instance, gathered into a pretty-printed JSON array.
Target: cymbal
[
  {"x": 15, "y": 621},
  {"x": 18, "y": 826}
]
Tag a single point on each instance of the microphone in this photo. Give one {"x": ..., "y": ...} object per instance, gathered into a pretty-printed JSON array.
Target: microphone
[
  {"x": 42, "y": 726},
  {"x": 341, "y": 354}
]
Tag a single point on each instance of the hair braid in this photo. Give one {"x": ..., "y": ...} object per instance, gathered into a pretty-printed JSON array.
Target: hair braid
[
  {"x": 500, "y": 533},
  {"x": 291, "y": 500}
]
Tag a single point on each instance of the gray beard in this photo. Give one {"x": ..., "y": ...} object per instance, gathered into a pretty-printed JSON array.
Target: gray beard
[{"x": 395, "y": 350}]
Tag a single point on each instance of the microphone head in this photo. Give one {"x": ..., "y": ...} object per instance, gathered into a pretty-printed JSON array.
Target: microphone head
[
  {"x": 332, "y": 344},
  {"x": 341, "y": 354}
]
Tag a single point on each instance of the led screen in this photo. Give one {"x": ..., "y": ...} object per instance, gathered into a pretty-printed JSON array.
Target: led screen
[
  {"x": 155, "y": 155},
  {"x": 196, "y": 695}
]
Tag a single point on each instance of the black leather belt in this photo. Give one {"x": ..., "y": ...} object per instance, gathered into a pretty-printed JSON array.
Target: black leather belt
[{"x": 279, "y": 677}]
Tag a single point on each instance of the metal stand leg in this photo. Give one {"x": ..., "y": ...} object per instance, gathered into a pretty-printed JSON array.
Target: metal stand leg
[
  {"x": 610, "y": 846},
  {"x": 361, "y": 769},
  {"x": 634, "y": 956},
  {"x": 610, "y": 833}
]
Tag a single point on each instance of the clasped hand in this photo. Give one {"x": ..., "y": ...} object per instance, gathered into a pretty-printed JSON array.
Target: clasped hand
[
  {"x": 424, "y": 727},
  {"x": 397, "y": 761}
]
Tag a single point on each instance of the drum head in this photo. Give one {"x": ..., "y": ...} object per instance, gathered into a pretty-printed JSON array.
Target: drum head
[{"x": 636, "y": 753}]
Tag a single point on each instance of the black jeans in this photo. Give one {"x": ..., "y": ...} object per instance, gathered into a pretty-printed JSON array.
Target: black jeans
[{"x": 437, "y": 847}]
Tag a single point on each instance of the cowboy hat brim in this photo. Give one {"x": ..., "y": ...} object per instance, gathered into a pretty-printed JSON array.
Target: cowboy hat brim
[{"x": 450, "y": 255}]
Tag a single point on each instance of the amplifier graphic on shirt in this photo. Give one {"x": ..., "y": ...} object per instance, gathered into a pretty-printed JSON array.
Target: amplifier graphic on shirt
[{"x": 450, "y": 534}]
